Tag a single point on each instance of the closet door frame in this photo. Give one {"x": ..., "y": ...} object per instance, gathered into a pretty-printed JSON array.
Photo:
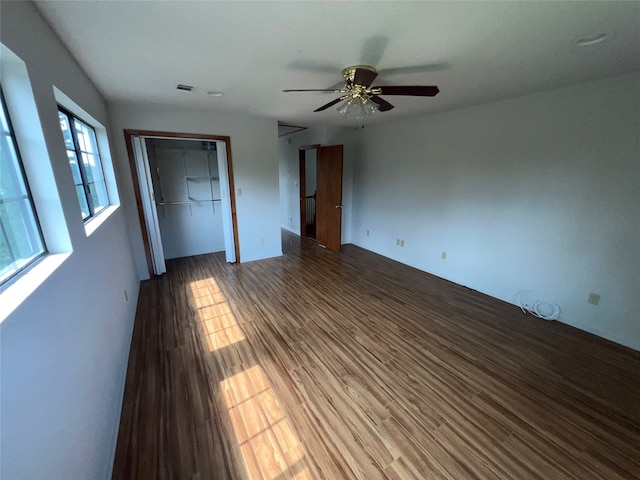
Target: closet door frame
[{"x": 130, "y": 134}]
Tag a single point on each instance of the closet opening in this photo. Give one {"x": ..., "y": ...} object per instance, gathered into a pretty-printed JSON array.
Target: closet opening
[{"x": 185, "y": 195}]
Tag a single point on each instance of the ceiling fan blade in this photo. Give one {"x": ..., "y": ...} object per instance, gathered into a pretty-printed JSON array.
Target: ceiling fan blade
[
  {"x": 382, "y": 103},
  {"x": 303, "y": 65},
  {"x": 373, "y": 49},
  {"x": 411, "y": 90},
  {"x": 319, "y": 90},
  {"x": 364, "y": 77},
  {"x": 330, "y": 104},
  {"x": 431, "y": 67}
]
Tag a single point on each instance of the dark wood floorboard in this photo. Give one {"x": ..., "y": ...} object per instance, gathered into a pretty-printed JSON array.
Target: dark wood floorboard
[{"x": 319, "y": 365}]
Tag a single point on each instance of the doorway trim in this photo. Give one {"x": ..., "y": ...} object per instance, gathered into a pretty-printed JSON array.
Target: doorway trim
[{"x": 129, "y": 134}]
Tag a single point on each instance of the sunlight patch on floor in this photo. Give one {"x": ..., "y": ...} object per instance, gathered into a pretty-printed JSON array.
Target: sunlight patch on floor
[
  {"x": 218, "y": 322},
  {"x": 269, "y": 445}
]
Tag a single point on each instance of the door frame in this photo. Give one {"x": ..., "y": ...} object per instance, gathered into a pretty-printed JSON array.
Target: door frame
[
  {"x": 303, "y": 185},
  {"x": 128, "y": 136}
]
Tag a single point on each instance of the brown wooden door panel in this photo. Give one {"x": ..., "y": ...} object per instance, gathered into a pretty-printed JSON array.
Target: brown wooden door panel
[{"x": 329, "y": 196}]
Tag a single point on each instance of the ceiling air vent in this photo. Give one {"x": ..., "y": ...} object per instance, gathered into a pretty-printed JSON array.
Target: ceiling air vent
[{"x": 185, "y": 88}]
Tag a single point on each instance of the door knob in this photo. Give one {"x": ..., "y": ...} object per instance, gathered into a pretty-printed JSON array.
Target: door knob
[{"x": 338, "y": 206}]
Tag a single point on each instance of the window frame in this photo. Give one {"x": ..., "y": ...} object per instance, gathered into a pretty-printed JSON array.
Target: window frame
[
  {"x": 28, "y": 196},
  {"x": 83, "y": 174}
]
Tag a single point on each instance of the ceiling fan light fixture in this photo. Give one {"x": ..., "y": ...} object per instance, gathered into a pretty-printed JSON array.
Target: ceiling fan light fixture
[
  {"x": 358, "y": 107},
  {"x": 370, "y": 107},
  {"x": 342, "y": 109},
  {"x": 355, "y": 110}
]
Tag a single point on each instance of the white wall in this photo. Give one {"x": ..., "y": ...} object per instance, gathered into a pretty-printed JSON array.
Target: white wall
[
  {"x": 64, "y": 350},
  {"x": 255, "y": 168},
  {"x": 540, "y": 192}
]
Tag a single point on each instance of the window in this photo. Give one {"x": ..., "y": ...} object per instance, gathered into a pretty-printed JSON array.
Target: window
[
  {"x": 81, "y": 143},
  {"x": 21, "y": 241}
]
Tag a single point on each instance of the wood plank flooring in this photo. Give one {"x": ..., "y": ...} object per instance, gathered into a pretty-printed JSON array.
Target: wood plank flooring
[{"x": 319, "y": 365}]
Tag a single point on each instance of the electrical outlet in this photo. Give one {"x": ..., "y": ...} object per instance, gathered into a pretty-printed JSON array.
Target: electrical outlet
[
  {"x": 367, "y": 233},
  {"x": 397, "y": 241},
  {"x": 593, "y": 299},
  {"x": 402, "y": 243},
  {"x": 262, "y": 241},
  {"x": 126, "y": 296},
  {"x": 239, "y": 190},
  {"x": 443, "y": 256}
]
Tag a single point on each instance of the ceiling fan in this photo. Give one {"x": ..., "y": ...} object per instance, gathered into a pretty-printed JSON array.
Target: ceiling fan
[{"x": 363, "y": 99}]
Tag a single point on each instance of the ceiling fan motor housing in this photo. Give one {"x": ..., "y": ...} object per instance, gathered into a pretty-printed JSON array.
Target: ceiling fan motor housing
[{"x": 349, "y": 73}]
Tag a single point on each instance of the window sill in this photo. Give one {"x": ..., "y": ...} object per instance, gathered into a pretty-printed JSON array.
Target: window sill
[
  {"x": 94, "y": 223},
  {"x": 13, "y": 295}
]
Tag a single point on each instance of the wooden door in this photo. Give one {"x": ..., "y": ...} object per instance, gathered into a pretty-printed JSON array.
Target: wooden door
[{"x": 329, "y": 196}]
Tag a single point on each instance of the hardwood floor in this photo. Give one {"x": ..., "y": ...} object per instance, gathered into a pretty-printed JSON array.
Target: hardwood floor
[{"x": 319, "y": 365}]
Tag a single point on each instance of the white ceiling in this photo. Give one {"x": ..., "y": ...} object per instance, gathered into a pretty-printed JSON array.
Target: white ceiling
[{"x": 476, "y": 52}]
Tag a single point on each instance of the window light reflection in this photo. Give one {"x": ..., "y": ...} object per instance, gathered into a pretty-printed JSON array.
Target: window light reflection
[
  {"x": 218, "y": 322},
  {"x": 269, "y": 445}
]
